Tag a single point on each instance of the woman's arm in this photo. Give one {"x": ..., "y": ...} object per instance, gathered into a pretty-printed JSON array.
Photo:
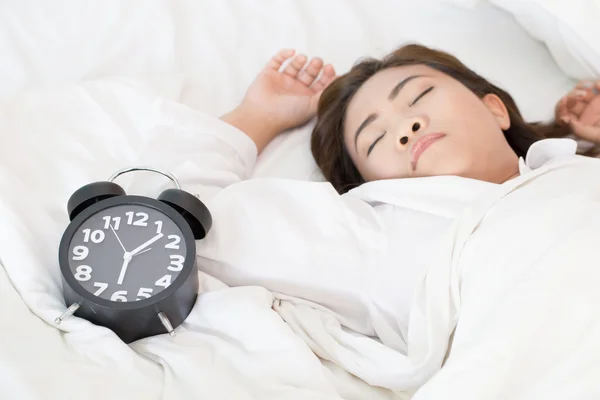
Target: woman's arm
[
  {"x": 209, "y": 154},
  {"x": 256, "y": 126}
]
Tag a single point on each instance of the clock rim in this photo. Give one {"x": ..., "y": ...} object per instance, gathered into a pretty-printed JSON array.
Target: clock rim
[{"x": 170, "y": 212}]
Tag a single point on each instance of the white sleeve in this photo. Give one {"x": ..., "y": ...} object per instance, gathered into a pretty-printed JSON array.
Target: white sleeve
[{"x": 203, "y": 152}]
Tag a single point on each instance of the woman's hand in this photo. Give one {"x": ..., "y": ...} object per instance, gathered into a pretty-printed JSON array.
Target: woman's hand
[
  {"x": 580, "y": 110},
  {"x": 288, "y": 98},
  {"x": 280, "y": 100}
]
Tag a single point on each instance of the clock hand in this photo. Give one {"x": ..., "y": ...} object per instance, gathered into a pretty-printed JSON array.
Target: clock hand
[
  {"x": 126, "y": 259},
  {"x": 143, "y": 251},
  {"x": 117, "y": 236},
  {"x": 143, "y": 246}
]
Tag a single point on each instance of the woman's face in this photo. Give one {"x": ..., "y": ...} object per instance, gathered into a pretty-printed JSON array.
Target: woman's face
[{"x": 414, "y": 121}]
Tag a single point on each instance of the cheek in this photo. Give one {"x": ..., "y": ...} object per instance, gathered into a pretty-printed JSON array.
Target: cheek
[
  {"x": 474, "y": 128},
  {"x": 385, "y": 165},
  {"x": 380, "y": 165},
  {"x": 469, "y": 115},
  {"x": 460, "y": 108}
]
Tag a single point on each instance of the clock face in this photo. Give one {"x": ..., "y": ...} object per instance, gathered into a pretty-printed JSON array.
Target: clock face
[{"x": 127, "y": 253}]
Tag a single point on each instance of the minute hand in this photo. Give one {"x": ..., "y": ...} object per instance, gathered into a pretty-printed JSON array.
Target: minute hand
[{"x": 143, "y": 246}]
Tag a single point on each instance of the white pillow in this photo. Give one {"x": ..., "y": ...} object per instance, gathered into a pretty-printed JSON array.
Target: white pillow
[{"x": 570, "y": 30}]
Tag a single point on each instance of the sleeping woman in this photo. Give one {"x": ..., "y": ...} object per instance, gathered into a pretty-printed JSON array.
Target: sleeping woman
[
  {"x": 376, "y": 121},
  {"x": 406, "y": 143}
]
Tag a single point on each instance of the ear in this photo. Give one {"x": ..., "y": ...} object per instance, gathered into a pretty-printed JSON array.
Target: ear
[{"x": 498, "y": 110}]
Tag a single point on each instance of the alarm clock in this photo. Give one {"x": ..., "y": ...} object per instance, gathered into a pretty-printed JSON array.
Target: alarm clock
[{"x": 128, "y": 262}]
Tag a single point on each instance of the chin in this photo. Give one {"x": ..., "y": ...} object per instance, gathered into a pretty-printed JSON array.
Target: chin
[{"x": 448, "y": 167}]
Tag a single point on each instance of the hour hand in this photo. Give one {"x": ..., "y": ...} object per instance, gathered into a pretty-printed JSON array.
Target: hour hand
[
  {"x": 126, "y": 260},
  {"x": 143, "y": 246}
]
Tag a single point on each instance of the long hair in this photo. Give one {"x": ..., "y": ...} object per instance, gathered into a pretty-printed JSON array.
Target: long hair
[{"x": 327, "y": 140}]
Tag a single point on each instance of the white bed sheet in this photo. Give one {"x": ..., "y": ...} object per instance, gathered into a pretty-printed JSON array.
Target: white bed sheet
[{"x": 57, "y": 62}]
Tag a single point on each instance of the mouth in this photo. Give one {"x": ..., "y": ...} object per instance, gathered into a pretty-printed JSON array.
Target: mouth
[{"x": 421, "y": 145}]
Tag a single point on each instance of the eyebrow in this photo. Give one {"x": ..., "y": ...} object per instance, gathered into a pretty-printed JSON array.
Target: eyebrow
[
  {"x": 393, "y": 94},
  {"x": 400, "y": 85}
]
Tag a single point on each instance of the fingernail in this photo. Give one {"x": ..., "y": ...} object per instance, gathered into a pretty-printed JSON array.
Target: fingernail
[
  {"x": 566, "y": 120},
  {"x": 580, "y": 93}
]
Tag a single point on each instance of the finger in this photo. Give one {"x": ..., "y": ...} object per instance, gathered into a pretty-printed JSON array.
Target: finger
[
  {"x": 327, "y": 76},
  {"x": 594, "y": 86},
  {"x": 587, "y": 132},
  {"x": 582, "y": 94},
  {"x": 585, "y": 84},
  {"x": 566, "y": 120},
  {"x": 570, "y": 106},
  {"x": 577, "y": 107},
  {"x": 309, "y": 74},
  {"x": 561, "y": 109},
  {"x": 278, "y": 59},
  {"x": 295, "y": 66}
]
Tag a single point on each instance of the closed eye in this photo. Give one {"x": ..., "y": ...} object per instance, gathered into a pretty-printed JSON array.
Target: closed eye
[
  {"x": 421, "y": 95},
  {"x": 374, "y": 143}
]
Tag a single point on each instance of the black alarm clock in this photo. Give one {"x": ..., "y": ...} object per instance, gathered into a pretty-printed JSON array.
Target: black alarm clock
[{"x": 128, "y": 262}]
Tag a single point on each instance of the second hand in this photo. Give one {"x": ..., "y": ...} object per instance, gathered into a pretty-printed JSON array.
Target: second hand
[{"x": 143, "y": 251}]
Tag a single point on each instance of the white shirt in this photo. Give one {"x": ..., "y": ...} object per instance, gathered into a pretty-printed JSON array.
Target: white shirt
[
  {"x": 544, "y": 151},
  {"x": 358, "y": 256}
]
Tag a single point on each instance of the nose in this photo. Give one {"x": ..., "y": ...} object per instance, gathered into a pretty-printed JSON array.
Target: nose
[{"x": 409, "y": 129}]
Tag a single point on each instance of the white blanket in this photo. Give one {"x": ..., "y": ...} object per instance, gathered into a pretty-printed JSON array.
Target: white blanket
[
  {"x": 523, "y": 271},
  {"x": 568, "y": 28},
  {"x": 233, "y": 345},
  {"x": 518, "y": 272}
]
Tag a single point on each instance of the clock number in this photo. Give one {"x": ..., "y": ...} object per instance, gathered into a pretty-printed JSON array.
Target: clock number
[
  {"x": 144, "y": 293},
  {"x": 165, "y": 281},
  {"x": 175, "y": 242},
  {"x": 80, "y": 253},
  {"x": 83, "y": 273},
  {"x": 102, "y": 287},
  {"x": 97, "y": 236},
  {"x": 158, "y": 226},
  {"x": 116, "y": 222},
  {"x": 176, "y": 263},
  {"x": 119, "y": 295},
  {"x": 140, "y": 222}
]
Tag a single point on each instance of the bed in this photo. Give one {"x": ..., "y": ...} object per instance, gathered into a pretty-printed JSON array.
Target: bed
[{"x": 78, "y": 84}]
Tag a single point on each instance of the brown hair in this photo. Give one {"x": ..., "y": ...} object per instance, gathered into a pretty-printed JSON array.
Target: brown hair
[{"x": 327, "y": 141}]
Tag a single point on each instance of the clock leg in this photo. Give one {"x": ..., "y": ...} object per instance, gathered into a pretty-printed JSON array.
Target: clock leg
[
  {"x": 166, "y": 323},
  {"x": 70, "y": 311}
]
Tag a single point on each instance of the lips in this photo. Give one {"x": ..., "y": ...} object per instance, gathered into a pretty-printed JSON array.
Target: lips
[{"x": 421, "y": 145}]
